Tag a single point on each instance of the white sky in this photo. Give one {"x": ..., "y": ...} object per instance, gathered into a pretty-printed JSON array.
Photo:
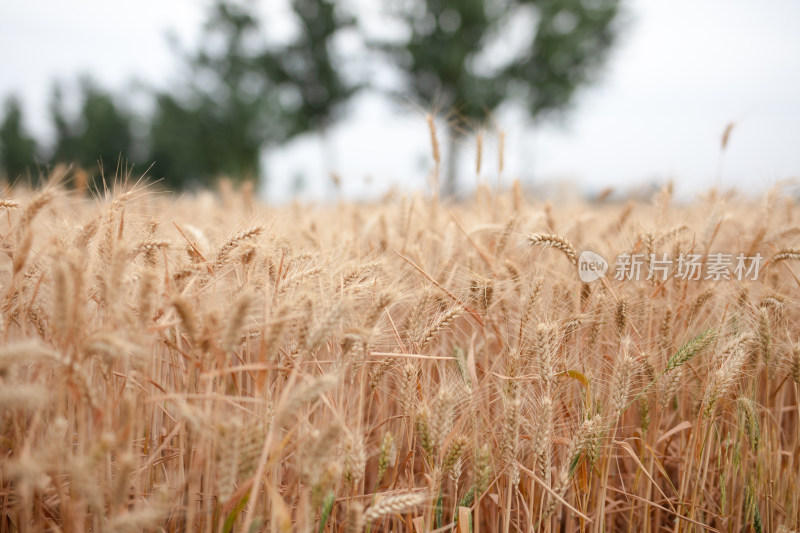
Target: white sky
[{"x": 682, "y": 71}]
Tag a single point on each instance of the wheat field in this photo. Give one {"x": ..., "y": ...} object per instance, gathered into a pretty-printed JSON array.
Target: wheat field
[{"x": 208, "y": 363}]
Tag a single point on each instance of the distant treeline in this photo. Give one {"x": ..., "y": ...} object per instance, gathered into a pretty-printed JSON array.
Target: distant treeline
[{"x": 241, "y": 91}]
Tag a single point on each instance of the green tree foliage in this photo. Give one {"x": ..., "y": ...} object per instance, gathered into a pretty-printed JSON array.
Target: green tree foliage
[
  {"x": 246, "y": 94},
  {"x": 216, "y": 125},
  {"x": 17, "y": 147},
  {"x": 98, "y": 137},
  {"x": 456, "y": 55}
]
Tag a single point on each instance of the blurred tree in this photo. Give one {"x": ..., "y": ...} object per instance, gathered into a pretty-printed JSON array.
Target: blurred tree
[
  {"x": 309, "y": 68},
  {"x": 100, "y": 134},
  {"x": 462, "y": 55},
  {"x": 245, "y": 94},
  {"x": 17, "y": 147}
]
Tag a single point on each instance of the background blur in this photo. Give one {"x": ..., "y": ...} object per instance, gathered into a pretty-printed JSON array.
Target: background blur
[{"x": 588, "y": 94}]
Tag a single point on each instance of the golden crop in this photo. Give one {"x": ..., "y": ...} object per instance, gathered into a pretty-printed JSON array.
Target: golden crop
[{"x": 207, "y": 363}]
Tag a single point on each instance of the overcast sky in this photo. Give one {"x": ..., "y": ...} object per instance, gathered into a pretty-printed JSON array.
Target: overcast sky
[{"x": 682, "y": 71}]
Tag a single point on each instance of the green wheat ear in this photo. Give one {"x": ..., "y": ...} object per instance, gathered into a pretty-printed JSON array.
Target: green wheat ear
[
  {"x": 689, "y": 350},
  {"x": 327, "y": 507},
  {"x": 461, "y": 363}
]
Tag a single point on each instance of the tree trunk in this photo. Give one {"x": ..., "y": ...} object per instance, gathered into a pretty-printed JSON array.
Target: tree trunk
[
  {"x": 329, "y": 162},
  {"x": 449, "y": 185}
]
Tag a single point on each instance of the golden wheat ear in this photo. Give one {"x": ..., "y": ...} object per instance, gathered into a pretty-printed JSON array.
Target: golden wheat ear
[{"x": 555, "y": 241}]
